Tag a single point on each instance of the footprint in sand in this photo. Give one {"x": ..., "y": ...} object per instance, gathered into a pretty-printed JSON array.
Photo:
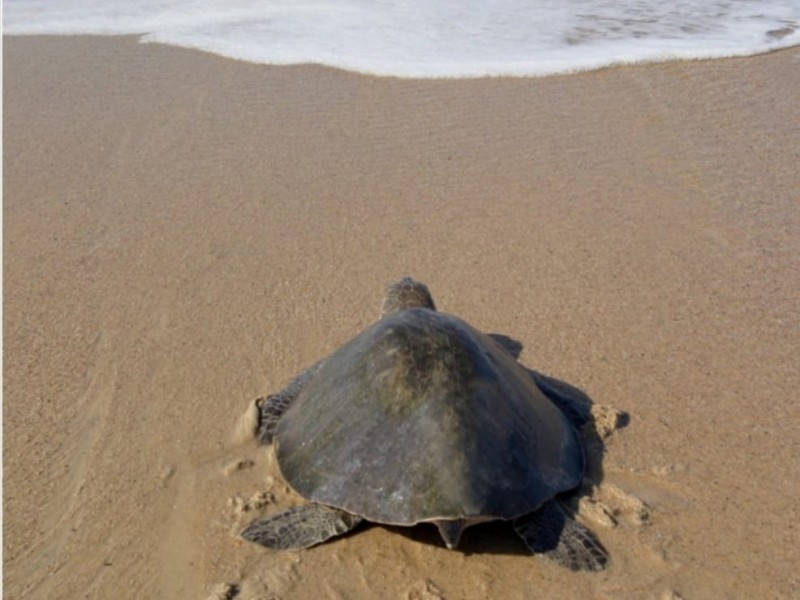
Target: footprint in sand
[
  {"x": 608, "y": 505},
  {"x": 240, "y": 506},
  {"x": 238, "y": 465},
  {"x": 224, "y": 591},
  {"x": 424, "y": 590}
]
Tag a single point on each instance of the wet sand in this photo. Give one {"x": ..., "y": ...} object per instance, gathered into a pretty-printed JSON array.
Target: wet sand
[{"x": 183, "y": 233}]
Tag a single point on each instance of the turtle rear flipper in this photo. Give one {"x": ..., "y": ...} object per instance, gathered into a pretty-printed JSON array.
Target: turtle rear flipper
[
  {"x": 300, "y": 527},
  {"x": 272, "y": 407},
  {"x": 552, "y": 533}
]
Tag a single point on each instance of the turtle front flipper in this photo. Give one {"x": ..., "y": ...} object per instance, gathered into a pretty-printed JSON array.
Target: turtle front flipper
[
  {"x": 570, "y": 400},
  {"x": 271, "y": 408},
  {"x": 552, "y": 533},
  {"x": 300, "y": 527}
]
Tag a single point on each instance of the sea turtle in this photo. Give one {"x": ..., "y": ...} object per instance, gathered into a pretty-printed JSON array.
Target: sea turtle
[{"x": 422, "y": 418}]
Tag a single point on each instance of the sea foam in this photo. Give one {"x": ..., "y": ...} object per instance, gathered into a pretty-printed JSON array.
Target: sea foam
[{"x": 420, "y": 38}]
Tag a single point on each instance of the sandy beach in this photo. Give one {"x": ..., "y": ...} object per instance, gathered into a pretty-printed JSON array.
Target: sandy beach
[{"x": 184, "y": 233}]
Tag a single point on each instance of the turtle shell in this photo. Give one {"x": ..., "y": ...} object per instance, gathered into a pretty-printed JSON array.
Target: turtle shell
[{"x": 422, "y": 417}]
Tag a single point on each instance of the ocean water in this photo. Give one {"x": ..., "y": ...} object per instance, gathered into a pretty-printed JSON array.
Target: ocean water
[{"x": 424, "y": 38}]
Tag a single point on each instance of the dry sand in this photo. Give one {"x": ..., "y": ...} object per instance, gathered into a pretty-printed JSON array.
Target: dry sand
[{"x": 183, "y": 233}]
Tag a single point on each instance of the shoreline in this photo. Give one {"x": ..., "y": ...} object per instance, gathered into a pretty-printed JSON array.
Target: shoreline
[
  {"x": 184, "y": 232},
  {"x": 643, "y": 63}
]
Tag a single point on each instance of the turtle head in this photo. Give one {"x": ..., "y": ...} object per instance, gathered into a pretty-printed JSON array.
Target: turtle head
[{"x": 405, "y": 294}]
